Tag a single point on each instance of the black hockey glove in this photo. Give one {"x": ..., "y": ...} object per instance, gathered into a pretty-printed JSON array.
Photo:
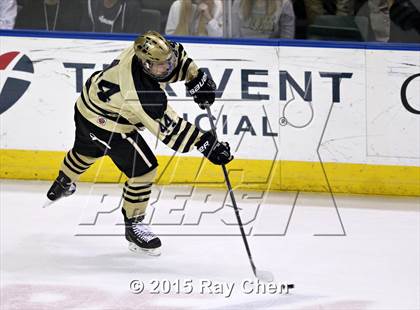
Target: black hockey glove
[
  {"x": 202, "y": 89},
  {"x": 217, "y": 152}
]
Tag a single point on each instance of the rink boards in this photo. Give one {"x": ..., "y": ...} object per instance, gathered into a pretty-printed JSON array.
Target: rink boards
[{"x": 298, "y": 115}]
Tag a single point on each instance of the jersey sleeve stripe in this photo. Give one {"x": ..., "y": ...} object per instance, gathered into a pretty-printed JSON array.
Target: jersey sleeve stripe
[
  {"x": 191, "y": 140},
  {"x": 178, "y": 69},
  {"x": 174, "y": 132},
  {"x": 181, "y": 137},
  {"x": 185, "y": 68},
  {"x": 180, "y": 48}
]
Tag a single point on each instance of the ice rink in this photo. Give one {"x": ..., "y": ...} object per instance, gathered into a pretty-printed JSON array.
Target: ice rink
[{"x": 364, "y": 254}]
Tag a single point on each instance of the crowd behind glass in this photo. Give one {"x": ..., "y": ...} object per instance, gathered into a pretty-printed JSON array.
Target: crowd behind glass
[{"x": 343, "y": 20}]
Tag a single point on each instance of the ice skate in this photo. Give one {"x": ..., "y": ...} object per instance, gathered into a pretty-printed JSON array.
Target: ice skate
[
  {"x": 62, "y": 187},
  {"x": 140, "y": 238}
]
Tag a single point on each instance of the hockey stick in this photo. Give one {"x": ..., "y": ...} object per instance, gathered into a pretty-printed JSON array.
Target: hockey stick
[{"x": 259, "y": 274}]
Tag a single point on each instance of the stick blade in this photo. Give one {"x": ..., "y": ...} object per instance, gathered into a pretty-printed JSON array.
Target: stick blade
[{"x": 265, "y": 276}]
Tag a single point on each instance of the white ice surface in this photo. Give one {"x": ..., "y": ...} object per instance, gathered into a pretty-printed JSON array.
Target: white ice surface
[{"x": 60, "y": 258}]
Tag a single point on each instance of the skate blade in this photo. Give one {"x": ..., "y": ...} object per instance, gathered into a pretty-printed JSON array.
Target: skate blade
[
  {"x": 47, "y": 203},
  {"x": 136, "y": 249}
]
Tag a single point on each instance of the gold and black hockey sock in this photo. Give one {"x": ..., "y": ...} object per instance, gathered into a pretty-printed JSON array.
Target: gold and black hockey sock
[
  {"x": 136, "y": 194},
  {"x": 75, "y": 164}
]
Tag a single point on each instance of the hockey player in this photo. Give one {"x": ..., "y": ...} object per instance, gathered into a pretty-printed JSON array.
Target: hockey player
[{"x": 123, "y": 98}]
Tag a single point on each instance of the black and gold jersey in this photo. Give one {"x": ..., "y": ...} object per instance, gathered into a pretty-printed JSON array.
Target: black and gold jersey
[{"x": 122, "y": 98}]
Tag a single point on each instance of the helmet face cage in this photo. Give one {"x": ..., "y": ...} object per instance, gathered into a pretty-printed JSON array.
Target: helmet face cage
[
  {"x": 157, "y": 55},
  {"x": 160, "y": 69}
]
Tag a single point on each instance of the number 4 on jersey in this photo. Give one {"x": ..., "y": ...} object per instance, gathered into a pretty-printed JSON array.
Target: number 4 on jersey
[
  {"x": 107, "y": 89},
  {"x": 167, "y": 125}
]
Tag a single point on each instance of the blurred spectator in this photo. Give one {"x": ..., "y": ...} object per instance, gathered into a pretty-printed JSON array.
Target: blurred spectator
[
  {"x": 316, "y": 8},
  {"x": 49, "y": 15},
  {"x": 313, "y": 9},
  {"x": 162, "y": 6},
  {"x": 112, "y": 16},
  {"x": 209, "y": 18},
  {"x": 263, "y": 19},
  {"x": 202, "y": 18},
  {"x": 406, "y": 17},
  {"x": 378, "y": 14},
  {"x": 8, "y": 11},
  {"x": 380, "y": 20},
  {"x": 180, "y": 18}
]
